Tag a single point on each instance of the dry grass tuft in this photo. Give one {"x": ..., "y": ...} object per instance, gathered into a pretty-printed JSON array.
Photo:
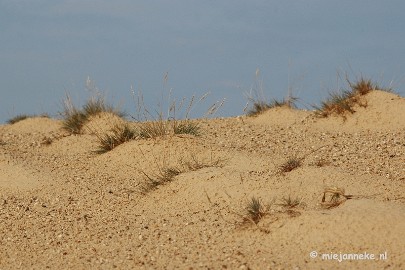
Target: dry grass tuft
[
  {"x": 336, "y": 103},
  {"x": 119, "y": 134},
  {"x": 153, "y": 181},
  {"x": 192, "y": 163},
  {"x": 289, "y": 202},
  {"x": 97, "y": 104},
  {"x": 344, "y": 101},
  {"x": 73, "y": 121},
  {"x": 74, "y": 118},
  {"x": 291, "y": 164},
  {"x": 153, "y": 129},
  {"x": 186, "y": 127}
]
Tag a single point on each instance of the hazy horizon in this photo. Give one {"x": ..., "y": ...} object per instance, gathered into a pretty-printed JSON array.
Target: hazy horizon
[{"x": 49, "y": 48}]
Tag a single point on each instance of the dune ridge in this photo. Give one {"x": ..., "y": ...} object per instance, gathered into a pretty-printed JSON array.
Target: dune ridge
[{"x": 63, "y": 206}]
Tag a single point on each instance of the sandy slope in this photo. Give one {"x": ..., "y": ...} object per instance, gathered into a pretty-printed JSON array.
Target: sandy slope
[{"x": 64, "y": 207}]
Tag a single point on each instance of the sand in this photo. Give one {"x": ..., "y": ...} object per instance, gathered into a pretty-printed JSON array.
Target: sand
[{"x": 63, "y": 206}]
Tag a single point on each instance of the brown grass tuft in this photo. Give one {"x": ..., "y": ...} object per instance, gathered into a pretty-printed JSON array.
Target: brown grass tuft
[
  {"x": 119, "y": 134},
  {"x": 291, "y": 164},
  {"x": 344, "y": 101},
  {"x": 74, "y": 118}
]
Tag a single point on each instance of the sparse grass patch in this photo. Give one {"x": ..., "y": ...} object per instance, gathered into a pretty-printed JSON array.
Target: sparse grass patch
[
  {"x": 193, "y": 163},
  {"x": 258, "y": 101},
  {"x": 153, "y": 181},
  {"x": 166, "y": 173},
  {"x": 175, "y": 119},
  {"x": 119, "y": 134},
  {"x": 291, "y": 164},
  {"x": 186, "y": 127},
  {"x": 289, "y": 202},
  {"x": 260, "y": 106},
  {"x": 295, "y": 162},
  {"x": 21, "y": 117},
  {"x": 18, "y": 118}
]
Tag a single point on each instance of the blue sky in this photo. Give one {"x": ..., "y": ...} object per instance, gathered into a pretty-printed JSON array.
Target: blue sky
[{"x": 49, "y": 47}]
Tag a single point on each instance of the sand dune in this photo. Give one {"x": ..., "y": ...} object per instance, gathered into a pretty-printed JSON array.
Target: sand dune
[{"x": 63, "y": 206}]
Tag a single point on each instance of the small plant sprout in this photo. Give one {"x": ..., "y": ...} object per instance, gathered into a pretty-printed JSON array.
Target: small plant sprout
[
  {"x": 255, "y": 210},
  {"x": 166, "y": 173}
]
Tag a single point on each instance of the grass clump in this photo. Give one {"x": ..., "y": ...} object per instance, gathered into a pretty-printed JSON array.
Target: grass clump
[
  {"x": 167, "y": 122},
  {"x": 97, "y": 105},
  {"x": 255, "y": 210},
  {"x": 344, "y": 101},
  {"x": 289, "y": 202},
  {"x": 119, "y": 134},
  {"x": 75, "y": 118},
  {"x": 186, "y": 127},
  {"x": 292, "y": 163}
]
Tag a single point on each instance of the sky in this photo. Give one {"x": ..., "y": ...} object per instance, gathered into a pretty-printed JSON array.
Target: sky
[{"x": 51, "y": 47}]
